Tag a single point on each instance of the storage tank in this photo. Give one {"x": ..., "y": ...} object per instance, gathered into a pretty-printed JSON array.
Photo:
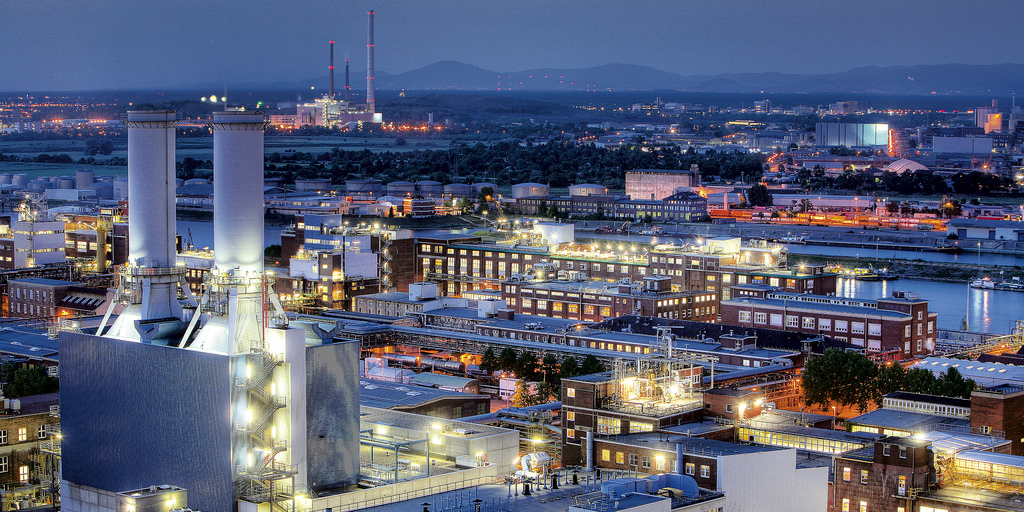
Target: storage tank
[
  {"x": 313, "y": 185},
  {"x": 401, "y": 188},
  {"x": 84, "y": 178},
  {"x": 52, "y": 179},
  {"x": 120, "y": 188},
  {"x": 529, "y": 190},
  {"x": 66, "y": 182},
  {"x": 103, "y": 190},
  {"x": 459, "y": 191},
  {"x": 429, "y": 188},
  {"x": 364, "y": 187},
  {"x": 6, "y": 178},
  {"x": 40, "y": 185},
  {"x": 20, "y": 180},
  {"x": 197, "y": 181},
  {"x": 479, "y": 187},
  {"x": 587, "y": 189},
  {"x": 238, "y": 191},
  {"x": 178, "y": 182}
]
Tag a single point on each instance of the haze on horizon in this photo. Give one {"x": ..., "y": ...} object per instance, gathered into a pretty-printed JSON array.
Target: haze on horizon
[{"x": 54, "y": 45}]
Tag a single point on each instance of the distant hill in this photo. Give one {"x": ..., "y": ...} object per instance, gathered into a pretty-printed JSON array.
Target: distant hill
[{"x": 938, "y": 79}]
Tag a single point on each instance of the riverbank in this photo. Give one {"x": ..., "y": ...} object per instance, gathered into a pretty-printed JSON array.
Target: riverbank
[{"x": 914, "y": 269}]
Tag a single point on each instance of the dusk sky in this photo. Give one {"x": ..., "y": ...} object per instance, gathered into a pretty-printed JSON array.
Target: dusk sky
[{"x": 99, "y": 44}]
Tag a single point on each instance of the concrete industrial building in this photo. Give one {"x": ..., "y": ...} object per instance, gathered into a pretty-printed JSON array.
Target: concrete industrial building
[
  {"x": 852, "y": 134},
  {"x": 655, "y": 184},
  {"x": 272, "y": 416}
]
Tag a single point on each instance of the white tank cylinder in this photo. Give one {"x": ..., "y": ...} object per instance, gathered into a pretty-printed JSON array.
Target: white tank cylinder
[
  {"x": 151, "y": 213},
  {"x": 84, "y": 178},
  {"x": 238, "y": 190}
]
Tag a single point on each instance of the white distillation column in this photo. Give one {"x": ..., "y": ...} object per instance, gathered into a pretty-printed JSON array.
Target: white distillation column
[{"x": 152, "y": 272}]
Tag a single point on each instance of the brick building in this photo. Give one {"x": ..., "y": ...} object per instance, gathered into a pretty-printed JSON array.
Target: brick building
[
  {"x": 594, "y": 301},
  {"x": 1000, "y": 408},
  {"x": 23, "y": 448},
  {"x": 898, "y": 326},
  {"x": 36, "y": 297},
  {"x": 883, "y": 477}
]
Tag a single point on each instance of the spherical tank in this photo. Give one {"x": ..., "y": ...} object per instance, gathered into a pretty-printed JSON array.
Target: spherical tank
[
  {"x": 151, "y": 213},
  {"x": 238, "y": 190}
]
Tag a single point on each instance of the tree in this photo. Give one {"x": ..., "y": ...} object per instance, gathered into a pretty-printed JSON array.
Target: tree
[
  {"x": 569, "y": 368},
  {"x": 549, "y": 365},
  {"x": 839, "y": 376},
  {"x": 546, "y": 393},
  {"x": 29, "y": 381},
  {"x": 591, "y": 365},
  {"x": 521, "y": 397},
  {"x": 526, "y": 366},
  {"x": 489, "y": 361},
  {"x": 507, "y": 359},
  {"x": 953, "y": 384},
  {"x": 758, "y": 195},
  {"x": 890, "y": 378},
  {"x": 552, "y": 212},
  {"x": 486, "y": 195},
  {"x": 919, "y": 380}
]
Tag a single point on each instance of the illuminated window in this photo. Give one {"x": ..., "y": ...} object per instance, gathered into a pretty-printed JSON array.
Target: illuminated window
[
  {"x": 744, "y": 316},
  {"x": 846, "y": 474},
  {"x": 22, "y": 434},
  {"x": 570, "y": 392},
  {"x": 23, "y": 474},
  {"x": 606, "y": 455},
  {"x": 3, "y": 437},
  {"x": 705, "y": 471},
  {"x": 846, "y": 505},
  {"x": 690, "y": 468},
  {"x": 863, "y": 506},
  {"x": 620, "y": 458},
  {"x": 864, "y": 476},
  {"x": 4, "y": 464},
  {"x": 659, "y": 463},
  {"x": 570, "y": 416},
  {"x": 570, "y": 433}
]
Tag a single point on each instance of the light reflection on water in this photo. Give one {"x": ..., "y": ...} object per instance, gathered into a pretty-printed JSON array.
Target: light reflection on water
[{"x": 986, "y": 310}]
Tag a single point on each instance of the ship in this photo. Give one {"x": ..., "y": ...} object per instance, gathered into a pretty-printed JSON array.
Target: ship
[{"x": 987, "y": 283}]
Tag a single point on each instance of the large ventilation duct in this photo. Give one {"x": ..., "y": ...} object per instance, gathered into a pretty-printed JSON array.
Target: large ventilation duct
[{"x": 238, "y": 192}]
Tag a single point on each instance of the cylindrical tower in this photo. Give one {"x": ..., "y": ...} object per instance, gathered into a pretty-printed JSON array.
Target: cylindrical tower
[
  {"x": 238, "y": 191},
  {"x": 331, "y": 67},
  {"x": 151, "y": 216},
  {"x": 348, "y": 88},
  {"x": 370, "y": 103}
]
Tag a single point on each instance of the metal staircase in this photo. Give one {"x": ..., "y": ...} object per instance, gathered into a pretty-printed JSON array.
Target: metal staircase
[
  {"x": 386, "y": 267},
  {"x": 267, "y": 479}
]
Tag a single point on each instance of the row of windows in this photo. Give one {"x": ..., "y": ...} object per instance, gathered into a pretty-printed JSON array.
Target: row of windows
[{"x": 22, "y": 434}]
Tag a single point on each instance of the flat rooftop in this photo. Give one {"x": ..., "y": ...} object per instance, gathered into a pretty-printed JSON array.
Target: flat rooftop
[
  {"x": 797, "y": 305},
  {"x": 908, "y": 421},
  {"x": 710, "y": 447},
  {"x": 384, "y": 395}
]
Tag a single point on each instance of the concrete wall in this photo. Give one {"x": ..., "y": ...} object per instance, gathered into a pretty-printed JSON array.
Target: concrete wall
[
  {"x": 402, "y": 491},
  {"x": 332, "y": 415},
  {"x": 134, "y": 414},
  {"x": 742, "y": 479}
]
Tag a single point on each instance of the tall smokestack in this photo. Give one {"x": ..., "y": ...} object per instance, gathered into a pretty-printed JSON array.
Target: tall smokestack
[
  {"x": 370, "y": 102},
  {"x": 331, "y": 67},
  {"x": 348, "y": 88},
  {"x": 151, "y": 217},
  {"x": 238, "y": 191}
]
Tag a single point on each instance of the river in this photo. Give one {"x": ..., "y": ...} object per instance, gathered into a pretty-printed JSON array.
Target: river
[{"x": 986, "y": 310}]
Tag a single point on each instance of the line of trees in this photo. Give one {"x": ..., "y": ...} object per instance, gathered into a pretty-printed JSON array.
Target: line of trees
[
  {"x": 547, "y": 373},
  {"x": 849, "y": 379}
]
